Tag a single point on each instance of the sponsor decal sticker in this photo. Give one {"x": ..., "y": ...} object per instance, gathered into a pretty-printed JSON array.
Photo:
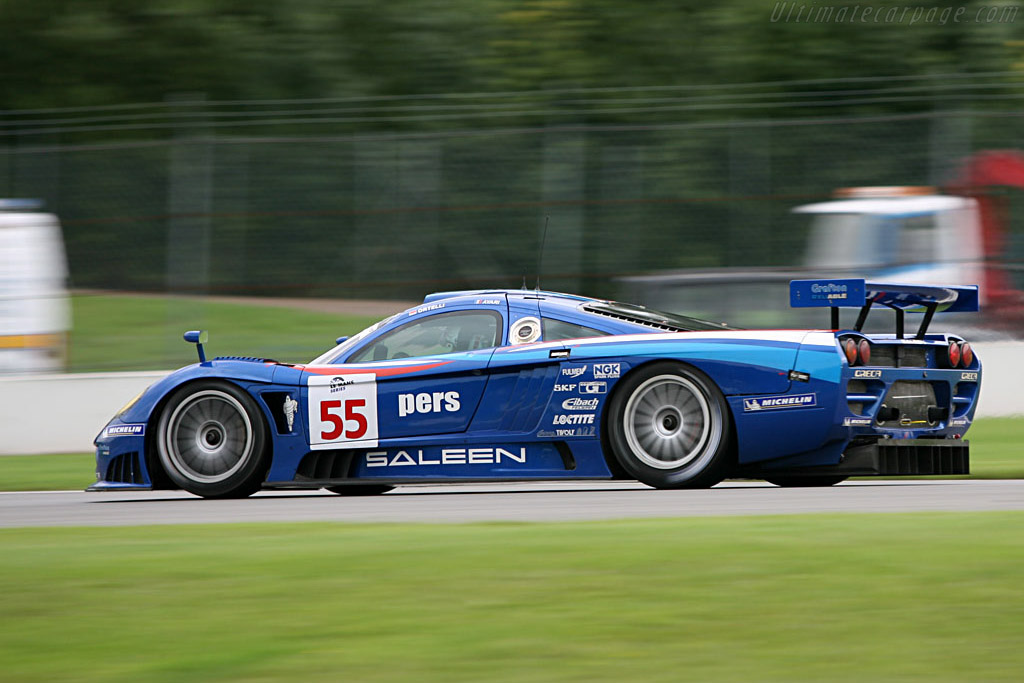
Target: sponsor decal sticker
[
  {"x": 868, "y": 374},
  {"x": 968, "y": 377},
  {"x": 447, "y": 456},
  {"x": 959, "y": 422},
  {"x": 565, "y": 387},
  {"x": 593, "y": 387},
  {"x": 573, "y": 419},
  {"x": 608, "y": 370},
  {"x": 779, "y": 402},
  {"x": 424, "y": 309},
  {"x": 856, "y": 421},
  {"x": 425, "y": 403},
  {"x": 125, "y": 430},
  {"x": 574, "y": 372},
  {"x": 577, "y": 403},
  {"x": 488, "y": 302}
]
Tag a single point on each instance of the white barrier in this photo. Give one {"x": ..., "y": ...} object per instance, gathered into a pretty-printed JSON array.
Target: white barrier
[{"x": 64, "y": 413}]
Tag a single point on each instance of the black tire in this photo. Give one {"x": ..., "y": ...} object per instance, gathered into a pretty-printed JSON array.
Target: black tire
[
  {"x": 669, "y": 427},
  {"x": 798, "y": 481},
  {"x": 359, "y": 489},
  {"x": 211, "y": 439}
]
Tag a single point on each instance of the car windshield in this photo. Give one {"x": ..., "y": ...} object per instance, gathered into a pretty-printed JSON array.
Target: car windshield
[
  {"x": 652, "y": 318},
  {"x": 329, "y": 356}
]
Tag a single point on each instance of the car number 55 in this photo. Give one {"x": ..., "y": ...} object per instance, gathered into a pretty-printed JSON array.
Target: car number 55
[{"x": 343, "y": 411}]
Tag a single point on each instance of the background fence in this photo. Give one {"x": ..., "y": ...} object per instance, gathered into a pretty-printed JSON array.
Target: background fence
[{"x": 393, "y": 197}]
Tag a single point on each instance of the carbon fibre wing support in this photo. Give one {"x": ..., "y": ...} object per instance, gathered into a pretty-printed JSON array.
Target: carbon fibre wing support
[{"x": 857, "y": 293}]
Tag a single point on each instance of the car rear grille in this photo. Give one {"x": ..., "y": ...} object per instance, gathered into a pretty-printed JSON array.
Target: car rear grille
[
  {"x": 125, "y": 469},
  {"x": 915, "y": 457},
  {"x": 324, "y": 465},
  {"x": 884, "y": 356}
]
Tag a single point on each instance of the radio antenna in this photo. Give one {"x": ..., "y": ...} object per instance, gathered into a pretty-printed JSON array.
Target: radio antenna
[{"x": 540, "y": 254}]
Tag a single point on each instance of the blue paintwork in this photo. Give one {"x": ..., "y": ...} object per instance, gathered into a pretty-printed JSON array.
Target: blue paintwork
[{"x": 538, "y": 410}]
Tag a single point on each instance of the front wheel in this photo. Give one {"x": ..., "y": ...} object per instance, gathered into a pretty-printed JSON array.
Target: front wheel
[
  {"x": 669, "y": 427},
  {"x": 211, "y": 439}
]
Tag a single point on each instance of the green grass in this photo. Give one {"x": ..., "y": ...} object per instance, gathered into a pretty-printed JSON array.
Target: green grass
[
  {"x": 924, "y": 597},
  {"x": 124, "y": 332},
  {"x": 996, "y": 453}
]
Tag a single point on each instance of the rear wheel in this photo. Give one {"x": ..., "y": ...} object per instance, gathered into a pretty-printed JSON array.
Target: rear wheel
[
  {"x": 668, "y": 425},
  {"x": 792, "y": 482},
  {"x": 211, "y": 439},
  {"x": 359, "y": 489}
]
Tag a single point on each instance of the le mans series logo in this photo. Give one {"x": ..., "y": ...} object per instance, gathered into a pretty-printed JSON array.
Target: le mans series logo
[{"x": 779, "y": 402}]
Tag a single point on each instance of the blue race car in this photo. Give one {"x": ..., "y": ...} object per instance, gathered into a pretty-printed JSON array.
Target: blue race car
[{"x": 506, "y": 385}]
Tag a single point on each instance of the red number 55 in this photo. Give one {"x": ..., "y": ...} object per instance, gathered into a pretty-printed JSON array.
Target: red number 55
[{"x": 352, "y": 414}]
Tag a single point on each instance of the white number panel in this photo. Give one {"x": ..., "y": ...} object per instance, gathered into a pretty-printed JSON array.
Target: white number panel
[{"x": 343, "y": 411}]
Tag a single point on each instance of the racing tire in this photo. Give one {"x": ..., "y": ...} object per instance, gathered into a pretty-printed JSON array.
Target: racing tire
[
  {"x": 798, "y": 481},
  {"x": 669, "y": 427},
  {"x": 212, "y": 440},
  {"x": 359, "y": 489}
]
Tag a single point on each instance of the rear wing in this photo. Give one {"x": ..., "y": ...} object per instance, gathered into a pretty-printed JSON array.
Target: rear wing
[{"x": 856, "y": 293}]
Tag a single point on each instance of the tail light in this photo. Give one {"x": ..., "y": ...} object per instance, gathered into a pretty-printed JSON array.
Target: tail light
[
  {"x": 864, "y": 351},
  {"x": 850, "y": 349},
  {"x": 966, "y": 355},
  {"x": 954, "y": 354}
]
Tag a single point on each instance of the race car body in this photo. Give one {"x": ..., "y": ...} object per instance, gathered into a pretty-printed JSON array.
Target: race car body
[{"x": 524, "y": 385}]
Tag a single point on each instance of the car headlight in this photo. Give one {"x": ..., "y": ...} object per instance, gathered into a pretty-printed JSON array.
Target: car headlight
[{"x": 130, "y": 403}]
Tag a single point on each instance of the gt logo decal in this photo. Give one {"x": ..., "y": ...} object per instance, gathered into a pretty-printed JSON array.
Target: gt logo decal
[{"x": 346, "y": 418}]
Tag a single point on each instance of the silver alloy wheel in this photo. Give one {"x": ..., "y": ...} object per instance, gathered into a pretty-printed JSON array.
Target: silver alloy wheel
[
  {"x": 668, "y": 422},
  {"x": 209, "y": 436}
]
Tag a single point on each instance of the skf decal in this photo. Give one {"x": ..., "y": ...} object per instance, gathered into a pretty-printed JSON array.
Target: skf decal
[
  {"x": 565, "y": 387},
  {"x": 573, "y": 419},
  {"x": 125, "y": 430},
  {"x": 577, "y": 403},
  {"x": 779, "y": 402},
  {"x": 574, "y": 372},
  {"x": 856, "y": 421},
  {"x": 868, "y": 374},
  {"x": 593, "y": 387},
  {"x": 968, "y": 377},
  {"x": 607, "y": 370},
  {"x": 436, "y": 402},
  {"x": 447, "y": 456}
]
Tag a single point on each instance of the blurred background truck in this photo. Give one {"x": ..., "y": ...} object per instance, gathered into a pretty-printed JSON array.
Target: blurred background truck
[
  {"x": 35, "y": 313},
  {"x": 893, "y": 234}
]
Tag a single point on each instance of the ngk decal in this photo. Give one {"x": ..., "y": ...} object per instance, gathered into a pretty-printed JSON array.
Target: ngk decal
[
  {"x": 424, "y": 403},
  {"x": 576, "y": 403},
  {"x": 607, "y": 370},
  {"x": 347, "y": 417}
]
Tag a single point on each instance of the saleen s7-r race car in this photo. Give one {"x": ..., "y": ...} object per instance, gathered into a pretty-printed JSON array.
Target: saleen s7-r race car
[{"x": 504, "y": 385}]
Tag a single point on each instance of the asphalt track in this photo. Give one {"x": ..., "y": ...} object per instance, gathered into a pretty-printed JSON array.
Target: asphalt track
[{"x": 541, "y": 502}]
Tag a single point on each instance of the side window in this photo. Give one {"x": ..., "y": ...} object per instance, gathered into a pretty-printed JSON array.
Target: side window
[
  {"x": 433, "y": 335},
  {"x": 556, "y": 330}
]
